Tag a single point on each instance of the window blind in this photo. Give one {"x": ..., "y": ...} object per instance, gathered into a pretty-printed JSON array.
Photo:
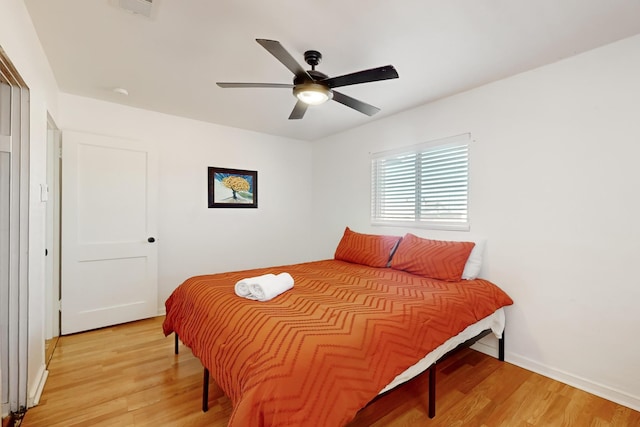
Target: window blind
[{"x": 422, "y": 186}]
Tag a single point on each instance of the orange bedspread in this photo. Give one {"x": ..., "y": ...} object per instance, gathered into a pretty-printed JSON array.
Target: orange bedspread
[{"x": 318, "y": 353}]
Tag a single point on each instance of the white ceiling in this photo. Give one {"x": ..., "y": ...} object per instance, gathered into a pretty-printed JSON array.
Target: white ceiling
[{"x": 170, "y": 63}]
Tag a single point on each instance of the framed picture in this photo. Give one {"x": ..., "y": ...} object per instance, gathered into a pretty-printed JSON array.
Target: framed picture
[{"x": 232, "y": 188}]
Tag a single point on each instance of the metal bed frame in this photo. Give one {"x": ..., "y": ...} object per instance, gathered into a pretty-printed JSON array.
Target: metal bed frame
[{"x": 431, "y": 369}]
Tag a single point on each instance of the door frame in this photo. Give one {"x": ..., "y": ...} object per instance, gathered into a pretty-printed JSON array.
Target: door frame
[{"x": 52, "y": 230}]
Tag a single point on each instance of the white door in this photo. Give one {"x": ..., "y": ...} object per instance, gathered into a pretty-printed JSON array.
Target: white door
[{"x": 109, "y": 252}]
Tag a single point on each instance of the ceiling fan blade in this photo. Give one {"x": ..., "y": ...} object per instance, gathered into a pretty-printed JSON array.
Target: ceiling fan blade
[
  {"x": 298, "y": 110},
  {"x": 226, "y": 85},
  {"x": 363, "y": 107},
  {"x": 364, "y": 76},
  {"x": 281, "y": 54}
]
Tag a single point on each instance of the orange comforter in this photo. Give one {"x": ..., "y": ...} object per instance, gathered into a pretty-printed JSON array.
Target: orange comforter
[{"x": 319, "y": 352}]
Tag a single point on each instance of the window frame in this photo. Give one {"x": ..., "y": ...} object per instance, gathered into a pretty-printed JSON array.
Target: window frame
[{"x": 453, "y": 142}]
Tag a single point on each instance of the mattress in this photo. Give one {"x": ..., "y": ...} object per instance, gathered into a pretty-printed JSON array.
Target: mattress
[{"x": 495, "y": 322}]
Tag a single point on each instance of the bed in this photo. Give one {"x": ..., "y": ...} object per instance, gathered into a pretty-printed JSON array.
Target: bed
[{"x": 346, "y": 332}]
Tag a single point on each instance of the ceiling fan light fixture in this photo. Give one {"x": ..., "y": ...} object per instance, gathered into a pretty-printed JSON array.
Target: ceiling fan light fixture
[
  {"x": 312, "y": 87},
  {"x": 312, "y": 93}
]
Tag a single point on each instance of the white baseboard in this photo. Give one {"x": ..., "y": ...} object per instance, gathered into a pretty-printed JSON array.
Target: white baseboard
[
  {"x": 36, "y": 392},
  {"x": 589, "y": 386},
  {"x": 488, "y": 345}
]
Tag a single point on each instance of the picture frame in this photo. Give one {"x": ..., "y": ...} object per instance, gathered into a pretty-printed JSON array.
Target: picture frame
[{"x": 232, "y": 188}]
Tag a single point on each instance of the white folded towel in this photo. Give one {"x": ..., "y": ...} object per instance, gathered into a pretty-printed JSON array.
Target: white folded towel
[
  {"x": 271, "y": 287},
  {"x": 243, "y": 287}
]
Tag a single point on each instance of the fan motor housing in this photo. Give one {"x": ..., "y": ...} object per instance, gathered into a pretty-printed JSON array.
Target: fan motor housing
[{"x": 315, "y": 75}]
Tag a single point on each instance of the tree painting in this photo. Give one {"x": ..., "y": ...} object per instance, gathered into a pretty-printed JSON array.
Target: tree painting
[
  {"x": 232, "y": 188},
  {"x": 236, "y": 183}
]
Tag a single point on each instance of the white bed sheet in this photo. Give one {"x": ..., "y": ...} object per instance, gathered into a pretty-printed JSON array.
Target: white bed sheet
[{"x": 495, "y": 322}]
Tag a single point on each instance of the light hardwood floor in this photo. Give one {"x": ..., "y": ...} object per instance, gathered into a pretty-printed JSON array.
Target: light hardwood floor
[{"x": 127, "y": 375}]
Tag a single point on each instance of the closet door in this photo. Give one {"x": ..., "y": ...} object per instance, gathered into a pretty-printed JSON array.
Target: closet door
[
  {"x": 109, "y": 247},
  {"x": 14, "y": 237},
  {"x": 5, "y": 234}
]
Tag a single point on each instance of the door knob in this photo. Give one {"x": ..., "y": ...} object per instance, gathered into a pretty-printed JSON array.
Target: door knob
[{"x": 151, "y": 239}]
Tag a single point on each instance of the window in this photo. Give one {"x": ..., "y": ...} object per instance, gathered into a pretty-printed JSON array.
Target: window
[{"x": 422, "y": 186}]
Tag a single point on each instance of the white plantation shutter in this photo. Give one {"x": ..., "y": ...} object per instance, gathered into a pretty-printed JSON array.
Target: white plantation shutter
[{"x": 422, "y": 186}]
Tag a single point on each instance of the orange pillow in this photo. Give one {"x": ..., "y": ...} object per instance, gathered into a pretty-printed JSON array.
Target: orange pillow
[
  {"x": 366, "y": 249},
  {"x": 436, "y": 259}
]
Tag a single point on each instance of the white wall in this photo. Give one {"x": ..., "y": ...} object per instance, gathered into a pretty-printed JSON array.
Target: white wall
[
  {"x": 21, "y": 44},
  {"x": 554, "y": 188},
  {"x": 192, "y": 238}
]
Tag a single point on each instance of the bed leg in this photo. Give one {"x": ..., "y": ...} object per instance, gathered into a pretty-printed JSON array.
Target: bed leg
[
  {"x": 205, "y": 390},
  {"x": 432, "y": 391},
  {"x": 501, "y": 348},
  {"x": 177, "y": 344}
]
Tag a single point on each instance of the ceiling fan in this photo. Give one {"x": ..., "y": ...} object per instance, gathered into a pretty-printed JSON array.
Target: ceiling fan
[{"x": 312, "y": 87}]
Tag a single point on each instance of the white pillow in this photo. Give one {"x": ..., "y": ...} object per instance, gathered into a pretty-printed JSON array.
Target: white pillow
[{"x": 474, "y": 262}]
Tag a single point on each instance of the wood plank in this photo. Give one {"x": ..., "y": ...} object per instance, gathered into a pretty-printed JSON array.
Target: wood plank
[{"x": 128, "y": 375}]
